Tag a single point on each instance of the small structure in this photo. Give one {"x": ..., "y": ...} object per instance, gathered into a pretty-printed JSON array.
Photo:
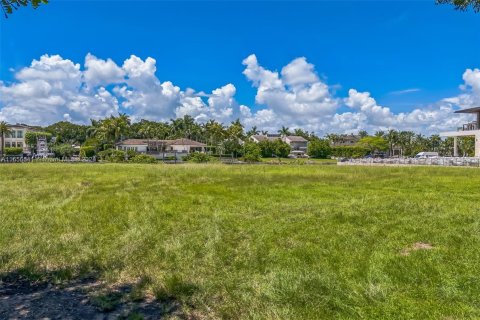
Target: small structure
[
  {"x": 42, "y": 147},
  {"x": 470, "y": 129}
]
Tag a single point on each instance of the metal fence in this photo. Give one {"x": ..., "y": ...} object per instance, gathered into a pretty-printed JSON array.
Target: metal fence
[
  {"x": 45, "y": 160},
  {"x": 440, "y": 161}
]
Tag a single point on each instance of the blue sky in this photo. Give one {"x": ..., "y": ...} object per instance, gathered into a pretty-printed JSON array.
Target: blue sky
[{"x": 383, "y": 47}]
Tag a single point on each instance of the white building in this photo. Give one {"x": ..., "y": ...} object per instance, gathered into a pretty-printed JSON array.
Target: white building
[{"x": 470, "y": 129}]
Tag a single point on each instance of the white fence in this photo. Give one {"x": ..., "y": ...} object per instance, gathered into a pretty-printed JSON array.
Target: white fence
[{"x": 441, "y": 161}]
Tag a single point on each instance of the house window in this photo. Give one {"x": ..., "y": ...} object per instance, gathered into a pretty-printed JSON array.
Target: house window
[
  {"x": 7, "y": 144},
  {"x": 20, "y": 144},
  {"x": 12, "y": 134},
  {"x": 19, "y": 134}
]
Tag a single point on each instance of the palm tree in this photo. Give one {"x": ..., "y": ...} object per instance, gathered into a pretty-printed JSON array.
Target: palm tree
[
  {"x": 435, "y": 141},
  {"x": 284, "y": 131},
  {"x": 333, "y": 138},
  {"x": 392, "y": 138},
  {"x": 252, "y": 131},
  {"x": 4, "y": 130},
  {"x": 363, "y": 134}
]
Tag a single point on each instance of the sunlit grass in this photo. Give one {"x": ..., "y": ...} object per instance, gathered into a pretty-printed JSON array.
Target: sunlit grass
[{"x": 255, "y": 241}]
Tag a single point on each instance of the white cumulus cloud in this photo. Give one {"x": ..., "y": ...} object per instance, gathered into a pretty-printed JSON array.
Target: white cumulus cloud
[{"x": 53, "y": 88}]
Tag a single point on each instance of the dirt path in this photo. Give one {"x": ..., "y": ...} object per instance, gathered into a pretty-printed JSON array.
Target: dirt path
[{"x": 87, "y": 298}]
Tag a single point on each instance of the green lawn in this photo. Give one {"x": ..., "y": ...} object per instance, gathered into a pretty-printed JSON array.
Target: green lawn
[{"x": 255, "y": 241}]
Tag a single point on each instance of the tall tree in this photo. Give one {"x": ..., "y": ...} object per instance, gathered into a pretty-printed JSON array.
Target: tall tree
[
  {"x": 253, "y": 131},
  {"x": 4, "y": 130},
  {"x": 392, "y": 138}
]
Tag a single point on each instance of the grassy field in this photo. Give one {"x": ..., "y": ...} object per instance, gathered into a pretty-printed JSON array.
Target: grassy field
[{"x": 255, "y": 242}]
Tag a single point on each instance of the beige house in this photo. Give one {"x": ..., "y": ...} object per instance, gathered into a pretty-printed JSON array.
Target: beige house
[
  {"x": 344, "y": 140},
  {"x": 182, "y": 145},
  {"x": 470, "y": 129},
  {"x": 297, "y": 143},
  {"x": 16, "y": 139}
]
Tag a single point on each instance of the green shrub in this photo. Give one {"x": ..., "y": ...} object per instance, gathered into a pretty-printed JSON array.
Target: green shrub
[
  {"x": 87, "y": 151},
  {"x": 198, "y": 157},
  {"x": 319, "y": 148},
  {"x": 13, "y": 151},
  {"x": 276, "y": 147},
  {"x": 143, "y": 158},
  {"x": 63, "y": 150},
  {"x": 112, "y": 155},
  {"x": 253, "y": 152},
  {"x": 131, "y": 153},
  {"x": 349, "y": 151}
]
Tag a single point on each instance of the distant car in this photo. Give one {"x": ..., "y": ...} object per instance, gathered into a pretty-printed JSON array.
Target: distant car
[{"x": 426, "y": 155}]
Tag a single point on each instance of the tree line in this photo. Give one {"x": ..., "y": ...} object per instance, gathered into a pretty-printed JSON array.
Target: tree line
[{"x": 103, "y": 134}]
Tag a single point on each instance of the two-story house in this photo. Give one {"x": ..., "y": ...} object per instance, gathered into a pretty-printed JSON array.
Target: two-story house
[
  {"x": 16, "y": 137},
  {"x": 298, "y": 144}
]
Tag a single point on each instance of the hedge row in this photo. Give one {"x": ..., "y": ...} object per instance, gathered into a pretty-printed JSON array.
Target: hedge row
[{"x": 349, "y": 151}]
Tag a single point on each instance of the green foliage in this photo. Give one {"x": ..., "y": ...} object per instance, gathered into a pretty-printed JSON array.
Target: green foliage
[
  {"x": 198, "y": 157},
  {"x": 276, "y": 147},
  {"x": 142, "y": 158},
  {"x": 349, "y": 151},
  {"x": 131, "y": 153},
  {"x": 13, "y": 151},
  {"x": 232, "y": 146},
  {"x": 112, "y": 155},
  {"x": 87, "y": 151},
  {"x": 319, "y": 148},
  {"x": 111, "y": 130},
  {"x": 67, "y": 132},
  {"x": 462, "y": 5},
  {"x": 281, "y": 149},
  {"x": 9, "y": 5},
  {"x": 32, "y": 136},
  {"x": 253, "y": 153},
  {"x": 4, "y": 130},
  {"x": 63, "y": 150},
  {"x": 374, "y": 144}
]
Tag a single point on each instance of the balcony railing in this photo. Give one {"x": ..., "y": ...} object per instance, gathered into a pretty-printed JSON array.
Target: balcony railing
[{"x": 468, "y": 126}]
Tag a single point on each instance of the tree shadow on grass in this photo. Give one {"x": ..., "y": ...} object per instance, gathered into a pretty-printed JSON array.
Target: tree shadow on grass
[{"x": 62, "y": 295}]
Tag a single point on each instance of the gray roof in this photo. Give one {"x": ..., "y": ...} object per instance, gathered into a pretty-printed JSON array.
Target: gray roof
[
  {"x": 259, "y": 137},
  {"x": 297, "y": 139},
  {"x": 186, "y": 142}
]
